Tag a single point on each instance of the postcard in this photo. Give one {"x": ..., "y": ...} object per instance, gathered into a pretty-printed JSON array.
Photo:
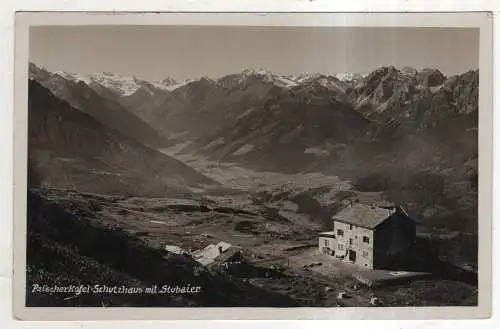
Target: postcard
[{"x": 252, "y": 165}]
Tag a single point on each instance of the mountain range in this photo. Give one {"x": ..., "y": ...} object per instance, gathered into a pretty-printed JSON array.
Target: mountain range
[
  {"x": 409, "y": 133},
  {"x": 125, "y": 86}
]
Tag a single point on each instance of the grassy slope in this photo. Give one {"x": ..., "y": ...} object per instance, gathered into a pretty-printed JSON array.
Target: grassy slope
[{"x": 70, "y": 246}]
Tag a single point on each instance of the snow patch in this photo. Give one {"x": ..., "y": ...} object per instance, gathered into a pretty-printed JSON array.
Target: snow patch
[
  {"x": 75, "y": 77},
  {"x": 317, "y": 151},
  {"x": 214, "y": 143},
  {"x": 244, "y": 149},
  {"x": 278, "y": 80},
  {"x": 126, "y": 86},
  {"x": 345, "y": 76},
  {"x": 436, "y": 88},
  {"x": 246, "y": 113},
  {"x": 329, "y": 83},
  {"x": 168, "y": 86}
]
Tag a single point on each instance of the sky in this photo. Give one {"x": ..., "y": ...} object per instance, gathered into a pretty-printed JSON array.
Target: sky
[{"x": 183, "y": 52}]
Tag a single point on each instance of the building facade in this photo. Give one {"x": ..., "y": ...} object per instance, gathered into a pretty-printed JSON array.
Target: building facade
[{"x": 371, "y": 237}]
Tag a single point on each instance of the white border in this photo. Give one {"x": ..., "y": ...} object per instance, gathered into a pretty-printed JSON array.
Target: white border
[{"x": 482, "y": 75}]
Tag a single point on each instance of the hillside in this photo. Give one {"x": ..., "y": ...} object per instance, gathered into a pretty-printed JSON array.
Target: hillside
[
  {"x": 202, "y": 108},
  {"x": 423, "y": 150},
  {"x": 83, "y": 96},
  {"x": 290, "y": 131},
  {"x": 68, "y": 244},
  {"x": 199, "y": 108},
  {"x": 70, "y": 149}
]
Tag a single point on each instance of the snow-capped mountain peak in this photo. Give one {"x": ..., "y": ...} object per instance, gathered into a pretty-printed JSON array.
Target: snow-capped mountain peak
[
  {"x": 348, "y": 76},
  {"x": 170, "y": 84},
  {"x": 124, "y": 86},
  {"x": 265, "y": 75},
  {"x": 75, "y": 77}
]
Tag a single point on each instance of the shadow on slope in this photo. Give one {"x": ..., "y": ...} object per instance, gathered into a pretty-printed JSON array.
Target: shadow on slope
[{"x": 70, "y": 149}]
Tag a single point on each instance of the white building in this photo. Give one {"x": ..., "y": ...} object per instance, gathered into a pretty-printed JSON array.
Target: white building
[{"x": 369, "y": 236}]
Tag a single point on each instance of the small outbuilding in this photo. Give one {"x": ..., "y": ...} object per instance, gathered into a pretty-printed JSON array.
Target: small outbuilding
[
  {"x": 222, "y": 253},
  {"x": 176, "y": 250}
]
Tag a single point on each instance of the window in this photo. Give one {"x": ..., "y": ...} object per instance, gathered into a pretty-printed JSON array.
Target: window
[
  {"x": 350, "y": 241},
  {"x": 326, "y": 243},
  {"x": 366, "y": 239},
  {"x": 341, "y": 247},
  {"x": 350, "y": 226},
  {"x": 365, "y": 254},
  {"x": 340, "y": 233}
]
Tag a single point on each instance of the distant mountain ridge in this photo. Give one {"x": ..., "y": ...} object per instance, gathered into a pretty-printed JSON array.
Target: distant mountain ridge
[
  {"x": 217, "y": 102},
  {"x": 385, "y": 94},
  {"x": 394, "y": 102},
  {"x": 126, "y": 86}
]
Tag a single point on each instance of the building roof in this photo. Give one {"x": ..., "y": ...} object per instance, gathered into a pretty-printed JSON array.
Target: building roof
[
  {"x": 228, "y": 254},
  {"x": 174, "y": 249},
  {"x": 208, "y": 254},
  {"x": 363, "y": 215}
]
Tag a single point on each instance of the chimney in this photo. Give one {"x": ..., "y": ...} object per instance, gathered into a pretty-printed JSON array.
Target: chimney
[{"x": 220, "y": 250}]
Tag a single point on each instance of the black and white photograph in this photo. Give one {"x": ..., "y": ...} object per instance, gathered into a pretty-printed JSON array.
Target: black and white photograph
[{"x": 252, "y": 166}]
